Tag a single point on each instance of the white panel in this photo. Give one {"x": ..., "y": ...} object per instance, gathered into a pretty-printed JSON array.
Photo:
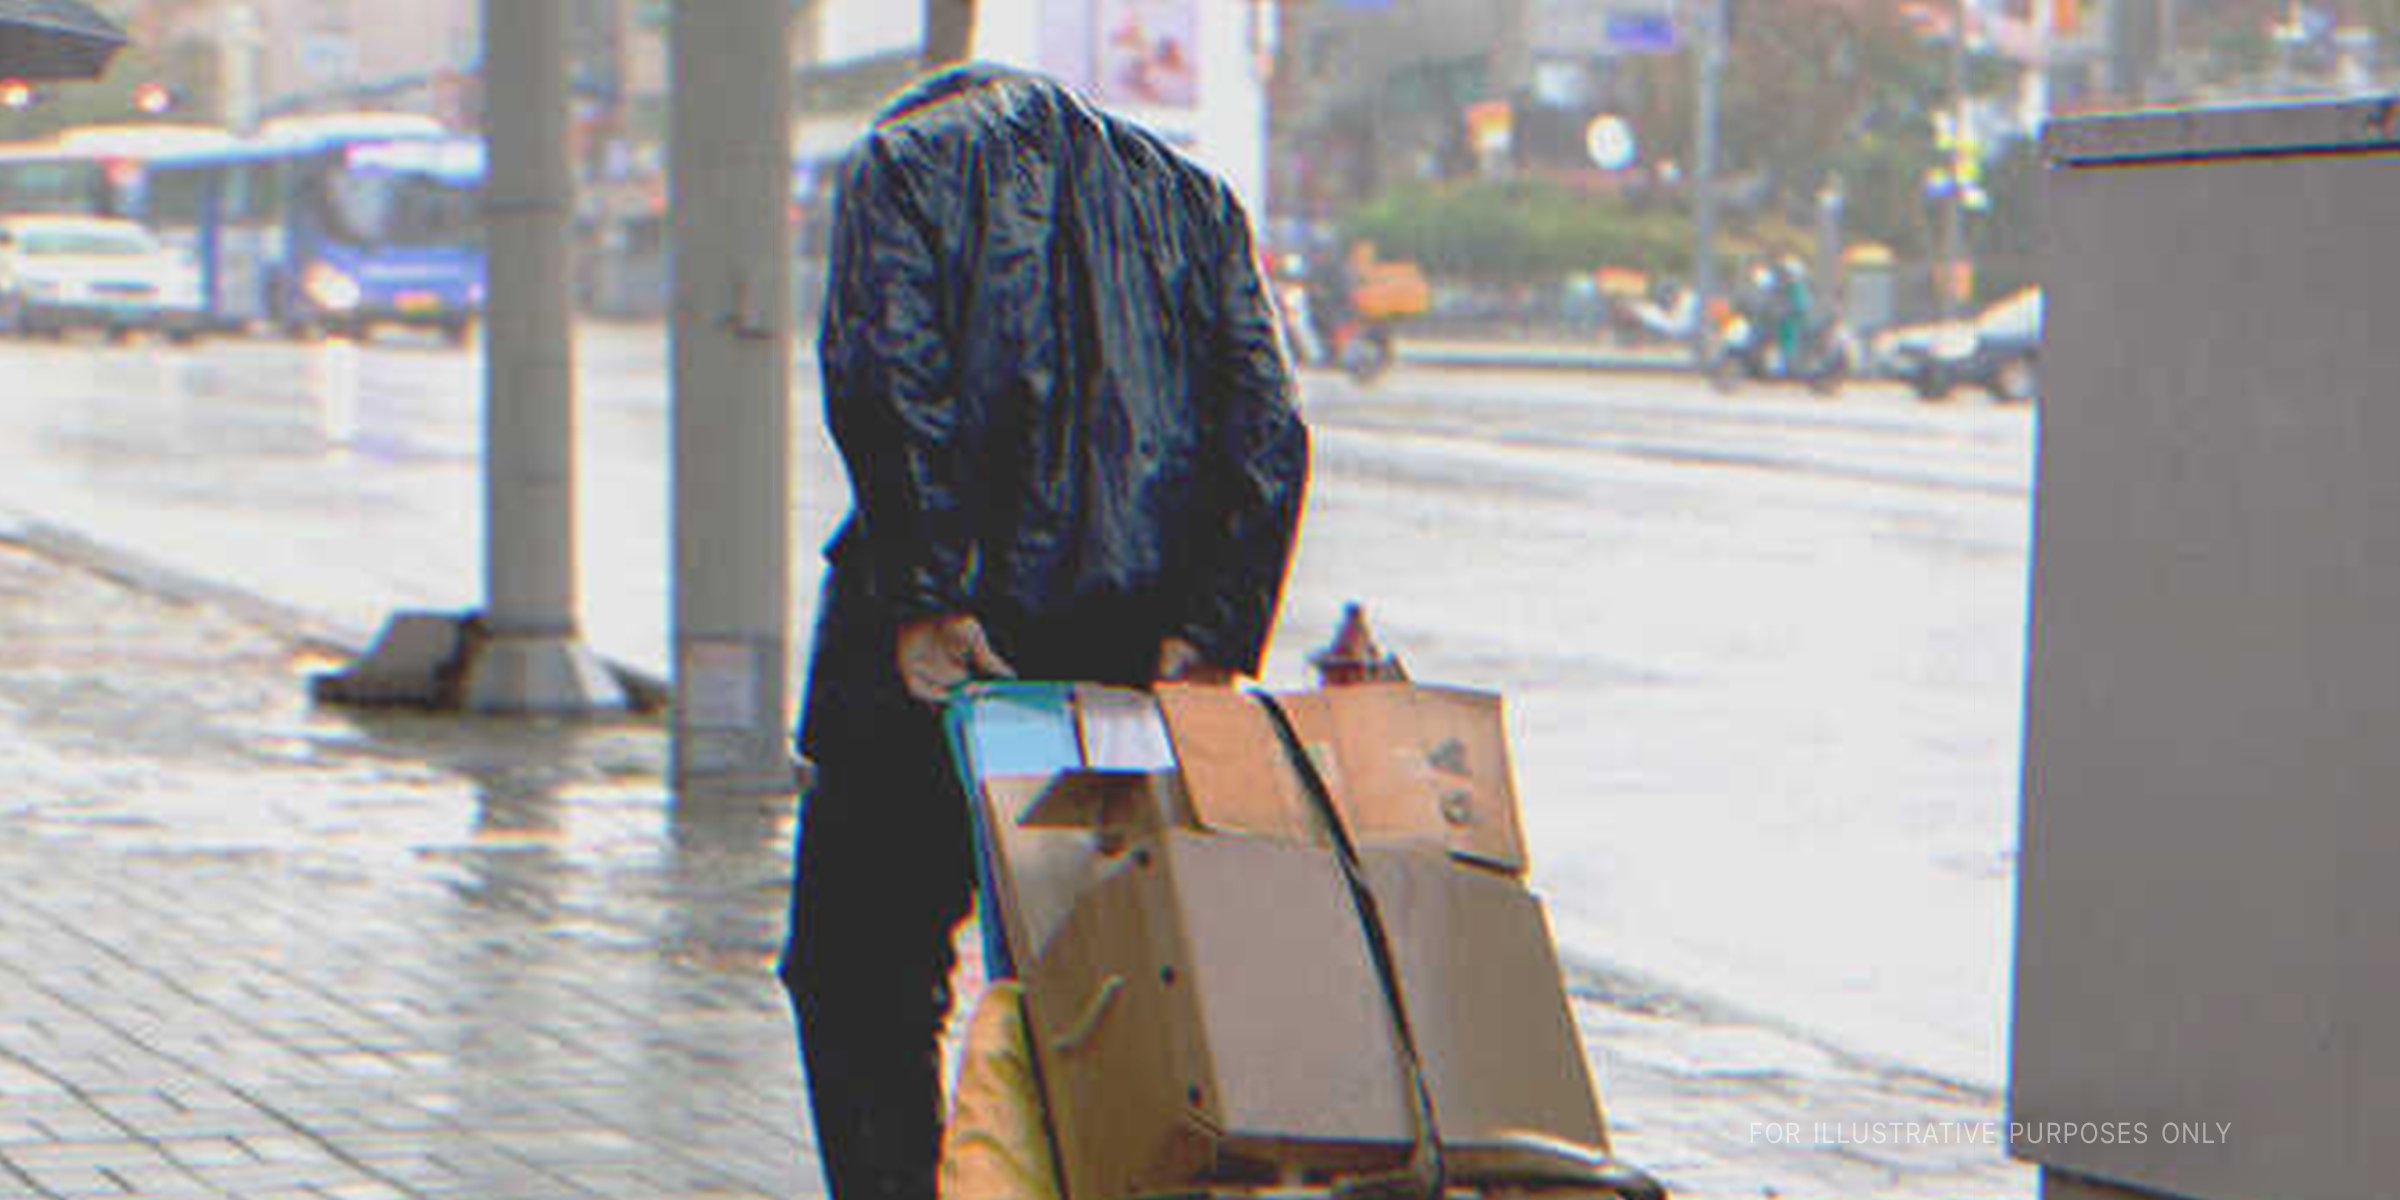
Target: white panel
[{"x": 2212, "y": 782}]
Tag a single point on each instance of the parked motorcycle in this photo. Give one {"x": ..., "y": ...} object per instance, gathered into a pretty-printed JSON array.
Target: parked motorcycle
[
  {"x": 1355, "y": 335},
  {"x": 1364, "y": 350},
  {"x": 1746, "y": 349}
]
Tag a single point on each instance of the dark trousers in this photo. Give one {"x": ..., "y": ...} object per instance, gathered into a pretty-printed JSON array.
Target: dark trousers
[{"x": 885, "y": 873}]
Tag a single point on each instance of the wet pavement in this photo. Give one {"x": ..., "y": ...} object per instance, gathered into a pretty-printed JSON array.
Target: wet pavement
[
  {"x": 1762, "y": 655},
  {"x": 1763, "y": 652},
  {"x": 250, "y": 948}
]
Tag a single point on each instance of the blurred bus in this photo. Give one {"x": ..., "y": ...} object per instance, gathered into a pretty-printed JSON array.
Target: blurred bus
[
  {"x": 94, "y": 170},
  {"x": 318, "y": 224},
  {"x": 330, "y": 224}
]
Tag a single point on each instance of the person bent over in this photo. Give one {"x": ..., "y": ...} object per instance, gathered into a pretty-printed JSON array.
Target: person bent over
[{"x": 1054, "y": 378}]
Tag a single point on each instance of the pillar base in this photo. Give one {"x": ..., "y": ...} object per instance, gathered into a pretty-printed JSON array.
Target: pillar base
[
  {"x": 553, "y": 674},
  {"x": 414, "y": 662},
  {"x": 450, "y": 661},
  {"x": 735, "y": 764}
]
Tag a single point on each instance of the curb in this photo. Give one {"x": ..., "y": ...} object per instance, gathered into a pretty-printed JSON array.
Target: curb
[
  {"x": 307, "y": 630},
  {"x": 1503, "y": 356},
  {"x": 1627, "y": 988},
  {"x": 150, "y": 577}
]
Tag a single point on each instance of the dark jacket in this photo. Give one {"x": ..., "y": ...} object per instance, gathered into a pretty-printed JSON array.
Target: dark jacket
[{"x": 1054, "y": 377}]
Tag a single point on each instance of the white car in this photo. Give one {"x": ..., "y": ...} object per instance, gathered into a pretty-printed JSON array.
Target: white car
[
  {"x": 1926, "y": 357},
  {"x": 1998, "y": 350},
  {"x": 59, "y": 273}
]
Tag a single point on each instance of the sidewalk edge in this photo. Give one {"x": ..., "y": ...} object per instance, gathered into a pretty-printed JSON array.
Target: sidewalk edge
[{"x": 308, "y": 630}]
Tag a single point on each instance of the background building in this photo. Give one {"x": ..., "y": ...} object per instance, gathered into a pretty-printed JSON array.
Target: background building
[
  {"x": 239, "y": 60},
  {"x": 1194, "y": 70},
  {"x": 313, "y": 54}
]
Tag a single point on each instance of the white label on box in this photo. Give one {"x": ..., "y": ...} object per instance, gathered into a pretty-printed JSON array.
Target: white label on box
[{"x": 1122, "y": 731}]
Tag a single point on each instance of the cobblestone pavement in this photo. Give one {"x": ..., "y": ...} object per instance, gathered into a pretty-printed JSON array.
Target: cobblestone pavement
[{"x": 252, "y": 949}]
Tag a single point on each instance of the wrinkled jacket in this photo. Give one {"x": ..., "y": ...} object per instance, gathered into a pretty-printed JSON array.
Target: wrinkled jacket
[{"x": 1054, "y": 377}]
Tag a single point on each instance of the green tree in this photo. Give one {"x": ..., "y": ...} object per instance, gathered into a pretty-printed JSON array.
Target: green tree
[
  {"x": 1518, "y": 231},
  {"x": 1814, "y": 88},
  {"x": 2007, "y": 240}
]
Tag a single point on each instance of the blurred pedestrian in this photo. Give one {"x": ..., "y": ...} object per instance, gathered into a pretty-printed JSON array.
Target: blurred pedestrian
[
  {"x": 1795, "y": 308},
  {"x": 1053, "y": 374}
]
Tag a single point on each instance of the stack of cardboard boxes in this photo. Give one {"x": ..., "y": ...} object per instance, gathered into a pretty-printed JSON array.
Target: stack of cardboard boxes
[{"x": 1205, "y": 1007}]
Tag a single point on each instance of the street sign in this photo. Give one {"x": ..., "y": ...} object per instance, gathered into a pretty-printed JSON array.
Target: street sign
[
  {"x": 1609, "y": 140},
  {"x": 1578, "y": 28},
  {"x": 1641, "y": 33}
]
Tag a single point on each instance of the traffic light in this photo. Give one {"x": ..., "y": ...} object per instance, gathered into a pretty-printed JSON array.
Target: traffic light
[
  {"x": 153, "y": 98},
  {"x": 16, "y": 95}
]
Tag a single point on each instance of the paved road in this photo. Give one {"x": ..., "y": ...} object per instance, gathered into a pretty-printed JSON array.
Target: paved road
[{"x": 1762, "y": 653}]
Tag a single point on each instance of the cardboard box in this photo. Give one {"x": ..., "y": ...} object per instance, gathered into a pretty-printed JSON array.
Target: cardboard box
[
  {"x": 1207, "y": 1003},
  {"x": 1045, "y": 865},
  {"x": 1480, "y": 975},
  {"x": 1406, "y": 763},
  {"x": 1101, "y": 757},
  {"x": 1208, "y": 1012},
  {"x": 1198, "y": 986}
]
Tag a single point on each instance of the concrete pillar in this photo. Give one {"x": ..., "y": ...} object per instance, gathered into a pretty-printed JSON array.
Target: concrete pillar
[
  {"x": 2033, "y": 84},
  {"x": 1513, "y": 53},
  {"x": 240, "y": 40},
  {"x": 731, "y": 163},
  {"x": 1830, "y": 206},
  {"x": 533, "y": 658},
  {"x": 1230, "y": 124},
  {"x": 2132, "y": 33},
  {"x": 1951, "y": 298},
  {"x": 1704, "y": 172},
  {"x": 948, "y": 26}
]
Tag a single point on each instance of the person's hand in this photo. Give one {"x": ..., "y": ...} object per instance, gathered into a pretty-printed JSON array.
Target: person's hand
[
  {"x": 936, "y": 654},
  {"x": 1179, "y": 661}
]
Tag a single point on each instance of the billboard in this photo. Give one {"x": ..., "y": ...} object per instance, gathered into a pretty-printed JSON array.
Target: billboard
[{"x": 1148, "y": 53}]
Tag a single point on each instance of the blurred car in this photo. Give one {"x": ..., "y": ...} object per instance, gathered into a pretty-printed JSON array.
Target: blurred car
[
  {"x": 1998, "y": 351},
  {"x": 2008, "y": 347},
  {"x": 59, "y": 273},
  {"x": 1924, "y": 356}
]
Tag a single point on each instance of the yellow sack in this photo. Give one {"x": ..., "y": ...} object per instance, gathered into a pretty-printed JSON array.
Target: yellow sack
[{"x": 996, "y": 1146}]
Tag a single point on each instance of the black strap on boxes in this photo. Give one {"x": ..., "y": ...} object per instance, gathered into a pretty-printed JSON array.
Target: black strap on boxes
[{"x": 1425, "y": 1176}]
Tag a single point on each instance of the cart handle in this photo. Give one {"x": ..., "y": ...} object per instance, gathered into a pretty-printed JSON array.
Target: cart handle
[{"x": 1088, "y": 1024}]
